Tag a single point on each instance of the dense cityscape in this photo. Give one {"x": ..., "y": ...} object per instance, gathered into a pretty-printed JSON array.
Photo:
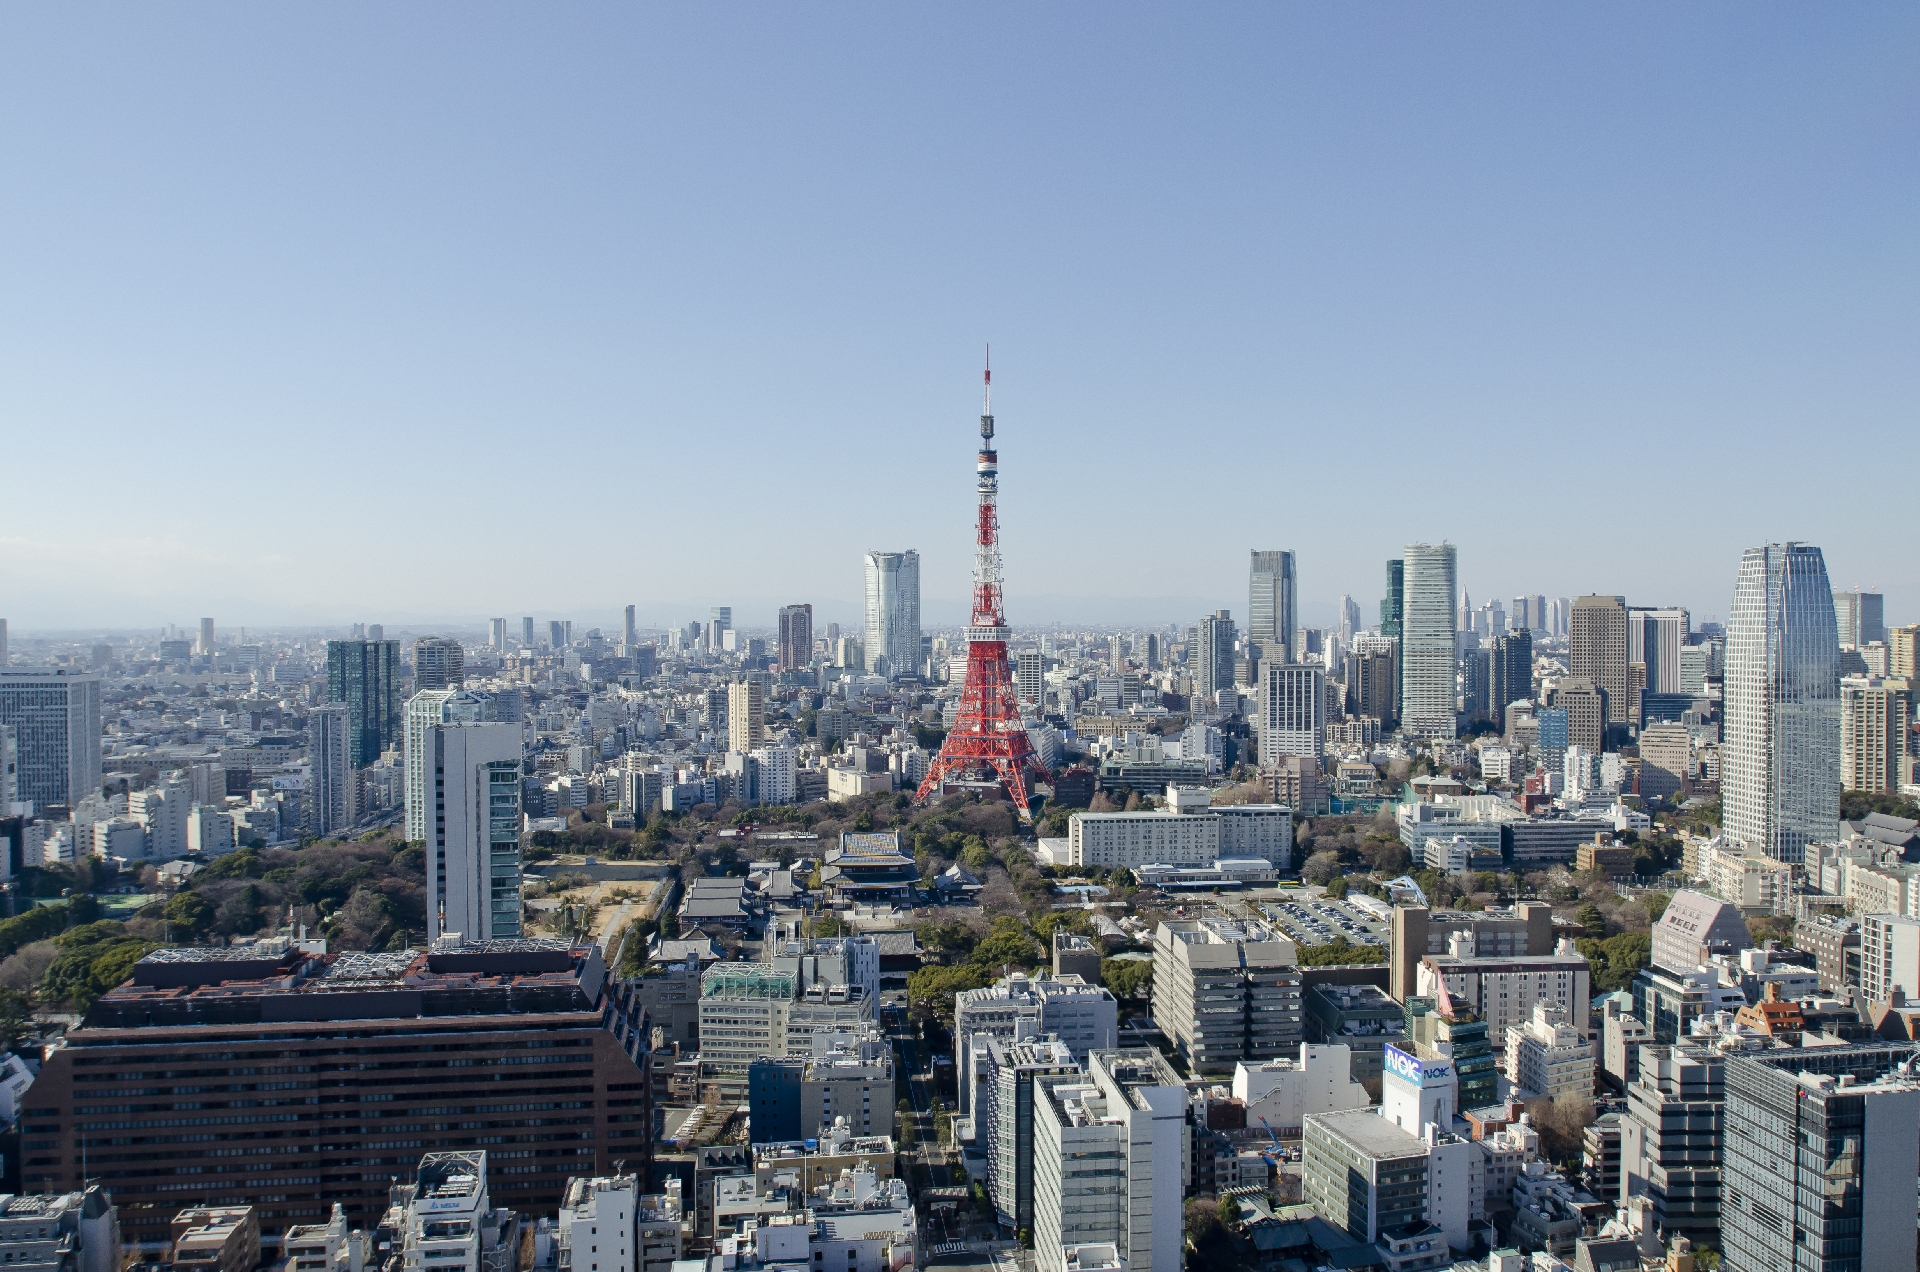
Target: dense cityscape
[
  {"x": 1536, "y": 934},
  {"x": 1007, "y": 638}
]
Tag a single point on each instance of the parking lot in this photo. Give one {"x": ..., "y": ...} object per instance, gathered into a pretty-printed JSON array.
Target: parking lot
[{"x": 1316, "y": 920}]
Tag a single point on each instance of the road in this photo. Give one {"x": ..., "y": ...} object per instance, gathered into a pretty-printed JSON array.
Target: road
[{"x": 941, "y": 1162}]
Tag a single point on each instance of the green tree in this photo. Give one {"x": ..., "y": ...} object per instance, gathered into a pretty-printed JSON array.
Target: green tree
[
  {"x": 1008, "y": 942},
  {"x": 934, "y": 988},
  {"x": 1592, "y": 920},
  {"x": 1128, "y": 978},
  {"x": 189, "y": 915}
]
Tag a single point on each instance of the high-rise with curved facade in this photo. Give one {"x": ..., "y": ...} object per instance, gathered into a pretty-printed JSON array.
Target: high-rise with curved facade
[
  {"x": 1428, "y": 664},
  {"x": 893, "y": 613},
  {"x": 1780, "y": 760}
]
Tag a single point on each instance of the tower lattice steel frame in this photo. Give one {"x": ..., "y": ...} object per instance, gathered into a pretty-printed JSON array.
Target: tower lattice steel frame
[{"x": 987, "y": 735}]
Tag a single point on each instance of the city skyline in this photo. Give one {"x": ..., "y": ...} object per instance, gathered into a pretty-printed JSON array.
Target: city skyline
[{"x": 275, "y": 253}]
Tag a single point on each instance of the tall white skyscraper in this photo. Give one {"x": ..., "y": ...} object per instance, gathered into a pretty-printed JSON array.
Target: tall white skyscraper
[
  {"x": 55, "y": 716},
  {"x": 330, "y": 807},
  {"x": 1271, "y": 606},
  {"x": 1029, "y": 677},
  {"x": 497, "y": 634},
  {"x": 1427, "y": 658},
  {"x": 630, "y": 635},
  {"x": 892, "y": 643},
  {"x": 473, "y": 840},
  {"x": 1293, "y": 710},
  {"x": 1780, "y": 761},
  {"x": 1349, "y": 622},
  {"x": 205, "y": 647}
]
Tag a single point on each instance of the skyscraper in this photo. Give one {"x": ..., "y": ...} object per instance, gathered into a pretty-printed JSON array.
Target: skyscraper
[
  {"x": 1655, "y": 638},
  {"x": 556, "y": 635},
  {"x": 1428, "y": 662},
  {"x": 473, "y": 839},
  {"x": 1029, "y": 681},
  {"x": 1270, "y": 605},
  {"x": 1349, "y": 621},
  {"x": 438, "y": 663},
  {"x": 719, "y": 623},
  {"x": 1509, "y": 671},
  {"x": 796, "y": 637},
  {"x": 1373, "y": 679},
  {"x": 1875, "y": 715},
  {"x": 893, "y": 613},
  {"x": 1780, "y": 761},
  {"x": 1860, "y": 617},
  {"x": 55, "y": 717},
  {"x": 205, "y": 647},
  {"x": 1293, "y": 710},
  {"x": 630, "y": 635},
  {"x": 526, "y": 632},
  {"x": 1212, "y": 657},
  {"x": 1597, "y": 649},
  {"x": 497, "y": 634},
  {"x": 365, "y": 674},
  {"x": 1393, "y": 605},
  {"x": 746, "y": 715},
  {"x": 330, "y": 808}
]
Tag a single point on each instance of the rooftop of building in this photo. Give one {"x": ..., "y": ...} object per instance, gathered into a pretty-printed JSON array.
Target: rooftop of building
[
  {"x": 1369, "y": 1133},
  {"x": 194, "y": 985},
  {"x": 1022, "y": 988},
  {"x": 450, "y": 1176}
]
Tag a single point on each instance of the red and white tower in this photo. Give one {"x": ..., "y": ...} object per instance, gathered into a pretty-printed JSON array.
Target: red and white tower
[{"x": 988, "y": 741}]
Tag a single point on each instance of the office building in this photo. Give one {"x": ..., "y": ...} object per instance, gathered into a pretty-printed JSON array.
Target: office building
[
  {"x": 55, "y": 718},
  {"x": 1292, "y": 710},
  {"x": 1417, "y": 931},
  {"x": 556, "y": 635},
  {"x": 1427, "y": 657},
  {"x": 719, "y": 623},
  {"x": 1211, "y": 659},
  {"x": 1083, "y": 1017},
  {"x": 1359, "y": 1018},
  {"x": 1655, "y": 638},
  {"x": 844, "y": 1073},
  {"x": 497, "y": 634},
  {"x": 422, "y": 710},
  {"x": 438, "y": 663},
  {"x": 1671, "y": 1138},
  {"x": 204, "y": 646},
  {"x": 1503, "y": 991},
  {"x": 1666, "y": 760},
  {"x": 365, "y": 674},
  {"x": 1780, "y": 758},
  {"x": 1393, "y": 604},
  {"x": 796, "y": 637},
  {"x": 1365, "y": 1175},
  {"x": 746, "y": 715},
  {"x": 470, "y": 802},
  {"x": 1876, "y": 717},
  {"x": 526, "y": 632},
  {"x": 1597, "y": 651},
  {"x": 1889, "y": 956},
  {"x": 892, "y": 645},
  {"x": 1820, "y": 1146},
  {"x": 458, "y": 1032},
  {"x": 1109, "y": 1158},
  {"x": 1903, "y": 653},
  {"x": 1859, "y": 617},
  {"x": 1587, "y": 711},
  {"x": 444, "y": 1219},
  {"x": 332, "y": 782},
  {"x": 629, "y": 632},
  {"x": 1003, "y": 1117},
  {"x": 1270, "y": 606},
  {"x": 1441, "y": 1029},
  {"x": 599, "y": 1224},
  {"x": 1226, "y": 990}
]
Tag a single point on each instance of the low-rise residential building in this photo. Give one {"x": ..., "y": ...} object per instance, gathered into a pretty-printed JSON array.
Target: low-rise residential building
[
  {"x": 1548, "y": 1056},
  {"x": 61, "y": 1232},
  {"x": 216, "y": 1239},
  {"x": 1280, "y": 1094}
]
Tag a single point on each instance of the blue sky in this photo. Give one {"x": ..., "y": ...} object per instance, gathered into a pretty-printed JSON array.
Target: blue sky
[{"x": 425, "y": 313}]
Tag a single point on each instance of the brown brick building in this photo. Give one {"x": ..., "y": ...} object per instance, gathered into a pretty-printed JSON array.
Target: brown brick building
[{"x": 272, "y": 1078}]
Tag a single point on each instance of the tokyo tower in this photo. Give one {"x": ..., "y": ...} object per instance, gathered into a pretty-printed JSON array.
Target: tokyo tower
[{"x": 988, "y": 742}]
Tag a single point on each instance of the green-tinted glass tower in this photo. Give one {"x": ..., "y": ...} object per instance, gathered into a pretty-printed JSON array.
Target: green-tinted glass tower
[
  {"x": 365, "y": 674},
  {"x": 1391, "y": 606}
]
